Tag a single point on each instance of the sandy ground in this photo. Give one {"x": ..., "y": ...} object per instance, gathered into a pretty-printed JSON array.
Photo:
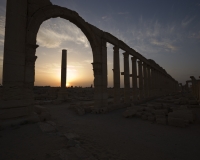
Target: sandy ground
[{"x": 101, "y": 136}]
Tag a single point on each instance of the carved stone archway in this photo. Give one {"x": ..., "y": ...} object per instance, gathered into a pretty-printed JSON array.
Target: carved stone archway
[{"x": 23, "y": 20}]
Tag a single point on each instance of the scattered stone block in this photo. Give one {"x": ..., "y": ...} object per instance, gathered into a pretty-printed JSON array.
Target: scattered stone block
[
  {"x": 45, "y": 116},
  {"x": 79, "y": 110},
  {"x": 161, "y": 112},
  {"x": 39, "y": 109},
  {"x": 183, "y": 114},
  {"x": 71, "y": 136},
  {"x": 129, "y": 113},
  {"x": 46, "y": 127},
  {"x": 138, "y": 114}
]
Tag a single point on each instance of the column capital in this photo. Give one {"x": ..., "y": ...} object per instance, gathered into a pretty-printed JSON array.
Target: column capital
[
  {"x": 103, "y": 43},
  {"x": 116, "y": 48},
  {"x": 126, "y": 54},
  {"x": 139, "y": 62},
  {"x": 133, "y": 59},
  {"x": 144, "y": 64}
]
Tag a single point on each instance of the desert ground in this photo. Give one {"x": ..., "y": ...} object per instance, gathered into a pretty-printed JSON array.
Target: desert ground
[{"x": 67, "y": 135}]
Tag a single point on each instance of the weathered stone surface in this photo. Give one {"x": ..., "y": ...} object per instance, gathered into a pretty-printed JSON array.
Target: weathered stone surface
[
  {"x": 129, "y": 113},
  {"x": 47, "y": 127},
  {"x": 183, "y": 114},
  {"x": 15, "y": 112},
  {"x": 45, "y": 116},
  {"x": 39, "y": 109},
  {"x": 161, "y": 112},
  {"x": 79, "y": 110},
  {"x": 71, "y": 136}
]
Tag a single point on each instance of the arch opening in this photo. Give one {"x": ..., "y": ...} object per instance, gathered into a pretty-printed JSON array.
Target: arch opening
[{"x": 54, "y": 35}]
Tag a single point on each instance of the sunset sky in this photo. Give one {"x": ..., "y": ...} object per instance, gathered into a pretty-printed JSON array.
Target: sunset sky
[{"x": 165, "y": 31}]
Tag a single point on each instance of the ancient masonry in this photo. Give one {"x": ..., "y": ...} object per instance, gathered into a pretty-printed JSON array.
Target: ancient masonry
[
  {"x": 63, "y": 68},
  {"x": 23, "y": 20}
]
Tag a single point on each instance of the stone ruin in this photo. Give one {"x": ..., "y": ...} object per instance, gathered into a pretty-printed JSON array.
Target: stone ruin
[{"x": 23, "y": 19}]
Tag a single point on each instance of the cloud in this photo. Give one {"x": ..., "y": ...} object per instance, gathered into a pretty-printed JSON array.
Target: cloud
[
  {"x": 187, "y": 21},
  {"x": 104, "y": 17},
  {"x": 2, "y": 30},
  {"x": 122, "y": 13},
  {"x": 194, "y": 35},
  {"x": 151, "y": 37},
  {"x": 2, "y": 25},
  {"x": 166, "y": 45},
  {"x": 55, "y": 32}
]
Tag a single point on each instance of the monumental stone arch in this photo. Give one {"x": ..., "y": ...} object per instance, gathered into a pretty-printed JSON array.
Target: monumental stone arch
[{"x": 23, "y": 19}]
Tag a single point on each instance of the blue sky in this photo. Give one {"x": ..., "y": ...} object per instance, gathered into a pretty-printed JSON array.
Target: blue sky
[{"x": 165, "y": 31}]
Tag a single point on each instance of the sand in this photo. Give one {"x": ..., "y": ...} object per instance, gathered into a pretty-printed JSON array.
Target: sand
[{"x": 107, "y": 136}]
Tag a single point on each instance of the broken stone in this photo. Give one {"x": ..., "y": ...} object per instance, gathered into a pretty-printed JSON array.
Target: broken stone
[
  {"x": 45, "y": 116},
  {"x": 71, "y": 136},
  {"x": 46, "y": 127},
  {"x": 183, "y": 114},
  {"x": 79, "y": 110},
  {"x": 129, "y": 113}
]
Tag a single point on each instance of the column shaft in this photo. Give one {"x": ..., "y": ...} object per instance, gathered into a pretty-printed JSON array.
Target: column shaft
[
  {"x": 63, "y": 68},
  {"x": 149, "y": 81},
  {"x": 134, "y": 78},
  {"x": 140, "y": 76},
  {"x": 126, "y": 78},
  {"x": 145, "y": 79},
  {"x": 116, "y": 75}
]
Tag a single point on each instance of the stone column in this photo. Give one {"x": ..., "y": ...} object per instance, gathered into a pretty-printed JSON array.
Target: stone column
[
  {"x": 14, "y": 103},
  {"x": 154, "y": 82},
  {"x": 126, "y": 78},
  {"x": 134, "y": 78},
  {"x": 149, "y": 81},
  {"x": 116, "y": 75},
  {"x": 100, "y": 74},
  {"x": 159, "y": 83},
  {"x": 62, "y": 94},
  {"x": 64, "y": 69},
  {"x": 145, "y": 80},
  {"x": 140, "y": 76}
]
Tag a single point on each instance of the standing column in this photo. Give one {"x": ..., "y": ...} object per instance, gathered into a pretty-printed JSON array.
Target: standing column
[
  {"x": 126, "y": 78},
  {"x": 134, "y": 77},
  {"x": 153, "y": 82},
  {"x": 100, "y": 74},
  {"x": 140, "y": 79},
  {"x": 116, "y": 75},
  {"x": 63, "y": 69},
  {"x": 149, "y": 81},
  {"x": 145, "y": 80}
]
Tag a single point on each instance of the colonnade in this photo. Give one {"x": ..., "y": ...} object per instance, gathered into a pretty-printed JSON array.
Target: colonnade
[
  {"x": 148, "y": 78},
  {"x": 148, "y": 81},
  {"x": 195, "y": 87}
]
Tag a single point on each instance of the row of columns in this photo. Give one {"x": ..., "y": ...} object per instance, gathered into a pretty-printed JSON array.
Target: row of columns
[
  {"x": 146, "y": 81},
  {"x": 195, "y": 87}
]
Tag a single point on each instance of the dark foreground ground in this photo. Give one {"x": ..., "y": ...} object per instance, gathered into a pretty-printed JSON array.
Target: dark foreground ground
[{"x": 103, "y": 136}]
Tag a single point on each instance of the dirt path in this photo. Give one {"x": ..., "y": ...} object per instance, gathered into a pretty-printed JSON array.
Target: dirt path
[{"x": 104, "y": 136}]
